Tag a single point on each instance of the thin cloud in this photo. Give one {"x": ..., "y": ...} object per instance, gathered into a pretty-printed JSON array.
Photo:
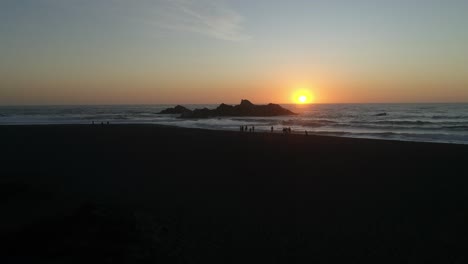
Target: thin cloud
[
  {"x": 208, "y": 17},
  {"x": 213, "y": 18}
]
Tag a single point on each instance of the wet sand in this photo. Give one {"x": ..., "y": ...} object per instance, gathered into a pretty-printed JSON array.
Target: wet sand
[{"x": 144, "y": 193}]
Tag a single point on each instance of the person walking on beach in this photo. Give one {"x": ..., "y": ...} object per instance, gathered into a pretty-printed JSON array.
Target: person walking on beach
[
  {"x": 253, "y": 129},
  {"x": 306, "y": 133},
  {"x": 271, "y": 129}
]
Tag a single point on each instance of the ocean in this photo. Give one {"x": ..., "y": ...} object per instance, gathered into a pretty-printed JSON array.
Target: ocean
[{"x": 447, "y": 123}]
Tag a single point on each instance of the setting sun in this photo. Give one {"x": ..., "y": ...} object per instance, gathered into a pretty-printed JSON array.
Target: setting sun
[{"x": 302, "y": 97}]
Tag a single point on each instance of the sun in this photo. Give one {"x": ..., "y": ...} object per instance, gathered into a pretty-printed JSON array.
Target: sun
[
  {"x": 302, "y": 99},
  {"x": 302, "y": 96}
]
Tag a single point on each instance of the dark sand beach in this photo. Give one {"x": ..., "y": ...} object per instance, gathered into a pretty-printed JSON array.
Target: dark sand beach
[{"x": 143, "y": 193}]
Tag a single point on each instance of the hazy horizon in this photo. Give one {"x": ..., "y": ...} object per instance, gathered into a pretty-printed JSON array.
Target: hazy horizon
[
  {"x": 114, "y": 52},
  {"x": 231, "y": 103}
]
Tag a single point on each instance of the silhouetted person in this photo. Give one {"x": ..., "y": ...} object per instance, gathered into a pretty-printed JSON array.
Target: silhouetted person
[
  {"x": 107, "y": 122},
  {"x": 253, "y": 129},
  {"x": 289, "y": 130},
  {"x": 93, "y": 122},
  {"x": 306, "y": 133},
  {"x": 241, "y": 128},
  {"x": 271, "y": 129}
]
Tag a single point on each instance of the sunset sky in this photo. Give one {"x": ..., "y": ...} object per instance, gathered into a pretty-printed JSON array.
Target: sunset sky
[{"x": 213, "y": 51}]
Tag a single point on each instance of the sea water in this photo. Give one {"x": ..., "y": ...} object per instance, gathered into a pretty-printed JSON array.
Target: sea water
[{"x": 446, "y": 123}]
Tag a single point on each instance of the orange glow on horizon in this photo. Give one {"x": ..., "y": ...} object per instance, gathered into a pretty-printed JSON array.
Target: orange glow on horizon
[{"x": 303, "y": 96}]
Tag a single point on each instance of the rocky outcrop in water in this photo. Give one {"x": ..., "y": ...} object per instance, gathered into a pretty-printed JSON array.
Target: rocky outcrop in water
[
  {"x": 245, "y": 108},
  {"x": 175, "y": 110},
  {"x": 381, "y": 114}
]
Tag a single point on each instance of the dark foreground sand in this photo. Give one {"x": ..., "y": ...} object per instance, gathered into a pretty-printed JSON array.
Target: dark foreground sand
[{"x": 137, "y": 194}]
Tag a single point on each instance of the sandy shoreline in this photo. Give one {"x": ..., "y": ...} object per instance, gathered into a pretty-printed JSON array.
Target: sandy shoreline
[{"x": 132, "y": 192}]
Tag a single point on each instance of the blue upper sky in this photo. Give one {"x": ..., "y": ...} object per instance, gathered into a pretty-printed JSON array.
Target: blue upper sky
[{"x": 164, "y": 51}]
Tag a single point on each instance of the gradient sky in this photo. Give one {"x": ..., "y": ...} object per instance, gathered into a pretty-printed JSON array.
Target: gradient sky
[{"x": 213, "y": 51}]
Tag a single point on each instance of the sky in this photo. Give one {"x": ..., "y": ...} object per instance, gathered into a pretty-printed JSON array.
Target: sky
[{"x": 213, "y": 51}]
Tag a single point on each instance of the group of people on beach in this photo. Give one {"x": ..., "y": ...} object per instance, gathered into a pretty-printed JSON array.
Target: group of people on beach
[
  {"x": 287, "y": 130},
  {"x": 102, "y": 123},
  {"x": 247, "y": 129}
]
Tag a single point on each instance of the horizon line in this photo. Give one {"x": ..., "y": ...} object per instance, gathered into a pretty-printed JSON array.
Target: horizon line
[{"x": 135, "y": 104}]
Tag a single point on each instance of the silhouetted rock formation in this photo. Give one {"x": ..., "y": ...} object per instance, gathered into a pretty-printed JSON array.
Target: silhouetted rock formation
[
  {"x": 245, "y": 108},
  {"x": 199, "y": 113},
  {"x": 176, "y": 110}
]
